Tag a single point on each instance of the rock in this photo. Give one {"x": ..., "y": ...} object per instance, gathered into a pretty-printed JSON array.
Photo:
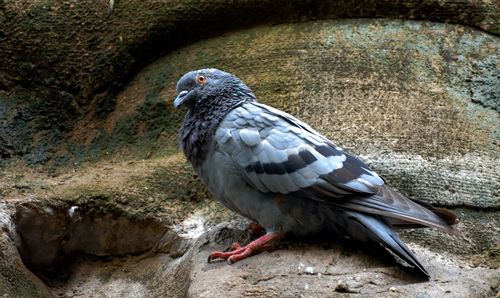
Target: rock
[
  {"x": 96, "y": 266},
  {"x": 409, "y": 134},
  {"x": 63, "y": 61},
  {"x": 340, "y": 268},
  {"x": 88, "y": 50},
  {"x": 15, "y": 279},
  {"x": 341, "y": 286},
  {"x": 404, "y": 107},
  {"x": 309, "y": 270},
  {"x": 49, "y": 236},
  {"x": 416, "y": 99}
]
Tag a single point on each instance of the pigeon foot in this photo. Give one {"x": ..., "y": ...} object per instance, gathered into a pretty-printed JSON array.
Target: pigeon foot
[{"x": 239, "y": 252}]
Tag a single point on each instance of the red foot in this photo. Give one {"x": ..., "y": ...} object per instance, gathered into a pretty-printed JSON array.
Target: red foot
[{"x": 239, "y": 252}]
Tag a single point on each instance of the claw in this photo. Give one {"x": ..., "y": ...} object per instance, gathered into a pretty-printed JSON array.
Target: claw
[
  {"x": 210, "y": 258},
  {"x": 239, "y": 252}
]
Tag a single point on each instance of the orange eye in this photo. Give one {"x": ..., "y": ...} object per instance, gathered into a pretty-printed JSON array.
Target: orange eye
[{"x": 201, "y": 79}]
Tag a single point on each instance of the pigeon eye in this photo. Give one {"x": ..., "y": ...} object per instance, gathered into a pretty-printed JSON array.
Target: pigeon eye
[{"x": 201, "y": 80}]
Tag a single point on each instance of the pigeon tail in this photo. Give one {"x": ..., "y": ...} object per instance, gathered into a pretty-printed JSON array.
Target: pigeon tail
[
  {"x": 401, "y": 212},
  {"x": 366, "y": 227},
  {"x": 448, "y": 216}
]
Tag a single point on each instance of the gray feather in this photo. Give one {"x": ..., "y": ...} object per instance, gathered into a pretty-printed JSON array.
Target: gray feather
[{"x": 250, "y": 137}]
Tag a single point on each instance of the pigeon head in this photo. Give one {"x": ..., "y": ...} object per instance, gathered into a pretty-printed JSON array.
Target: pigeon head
[{"x": 210, "y": 86}]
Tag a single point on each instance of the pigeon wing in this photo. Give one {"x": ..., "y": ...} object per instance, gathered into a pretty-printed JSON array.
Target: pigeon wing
[{"x": 278, "y": 153}]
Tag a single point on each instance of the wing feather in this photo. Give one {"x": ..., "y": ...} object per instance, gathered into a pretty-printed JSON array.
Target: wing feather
[{"x": 278, "y": 153}]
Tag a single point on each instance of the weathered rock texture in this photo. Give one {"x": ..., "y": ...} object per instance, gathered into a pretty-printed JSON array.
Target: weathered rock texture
[
  {"x": 62, "y": 60},
  {"x": 338, "y": 270},
  {"x": 112, "y": 209},
  {"x": 398, "y": 93},
  {"x": 15, "y": 279}
]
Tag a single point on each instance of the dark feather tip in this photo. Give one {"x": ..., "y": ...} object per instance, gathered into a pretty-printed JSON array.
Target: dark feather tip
[{"x": 447, "y": 215}]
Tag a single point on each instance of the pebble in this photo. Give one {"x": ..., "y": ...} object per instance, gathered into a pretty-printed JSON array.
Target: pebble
[
  {"x": 341, "y": 286},
  {"x": 309, "y": 270}
]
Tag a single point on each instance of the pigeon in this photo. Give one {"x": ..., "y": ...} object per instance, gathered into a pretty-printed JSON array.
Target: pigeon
[{"x": 285, "y": 176}]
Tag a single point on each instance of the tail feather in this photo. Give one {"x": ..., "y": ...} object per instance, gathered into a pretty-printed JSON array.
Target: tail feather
[
  {"x": 400, "y": 211},
  {"x": 373, "y": 228},
  {"x": 446, "y": 215}
]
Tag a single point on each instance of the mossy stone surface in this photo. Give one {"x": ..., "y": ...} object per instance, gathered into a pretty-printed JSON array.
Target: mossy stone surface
[
  {"x": 70, "y": 59},
  {"x": 386, "y": 90}
]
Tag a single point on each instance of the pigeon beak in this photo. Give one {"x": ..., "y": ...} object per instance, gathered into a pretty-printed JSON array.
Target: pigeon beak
[{"x": 179, "y": 100}]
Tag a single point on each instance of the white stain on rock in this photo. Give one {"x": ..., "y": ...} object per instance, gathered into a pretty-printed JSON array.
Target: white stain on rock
[
  {"x": 4, "y": 216},
  {"x": 192, "y": 227},
  {"x": 71, "y": 210}
]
